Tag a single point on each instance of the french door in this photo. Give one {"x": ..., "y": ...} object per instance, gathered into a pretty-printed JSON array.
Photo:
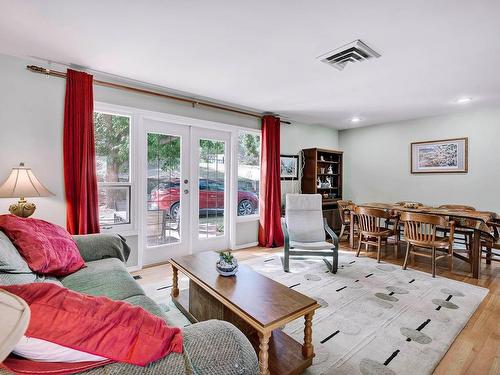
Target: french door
[
  {"x": 185, "y": 190},
  {"x": 210, "y": 155}
]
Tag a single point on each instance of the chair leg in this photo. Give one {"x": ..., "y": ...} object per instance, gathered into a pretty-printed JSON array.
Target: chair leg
[
  {"x": 341, "y": 231},
  {"x": 488, "y": 255},
  {"x": 396, "y": 247},
  {"x": 359, "y": 244},
  {"x": 405, "y": 264},
  {"x": 433, "y": 262},
  {"x": 286, "y": 260},
  {"x": 451, "y": 258},
  {"x": 379, "y": 245}
]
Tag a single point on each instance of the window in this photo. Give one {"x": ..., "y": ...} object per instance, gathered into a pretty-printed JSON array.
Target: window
[
  {"x": 112, "y": 144},
  {"x": 248, "y": 173}
]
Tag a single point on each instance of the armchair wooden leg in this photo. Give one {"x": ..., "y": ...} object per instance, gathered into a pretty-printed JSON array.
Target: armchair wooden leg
[
  {"x": 359, "y": 244},
  {"x": 405, "y": 264}
]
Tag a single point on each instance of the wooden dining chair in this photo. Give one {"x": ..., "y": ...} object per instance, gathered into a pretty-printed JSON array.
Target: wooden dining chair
[
  {"x": 373, "y": 230},
  {"x": 491, "y": 244},
  {"x": 462, "y": 236},
  {"x": 420, "y": 231},
  {"x": 345, "y": 208}
]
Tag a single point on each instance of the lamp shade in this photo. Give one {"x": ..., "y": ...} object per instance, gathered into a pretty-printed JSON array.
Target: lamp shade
[{"x": 22, "y": 183}]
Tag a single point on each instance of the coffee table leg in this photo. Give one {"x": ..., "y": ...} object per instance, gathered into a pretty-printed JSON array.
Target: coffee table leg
[
  {"x": 175, "y": 282},
  {"x": 264, "y": 352},
  {"x": 307, "y": 348}
]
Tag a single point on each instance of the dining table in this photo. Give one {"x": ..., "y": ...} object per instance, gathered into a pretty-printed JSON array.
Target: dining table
[{"x": 476, "y": 221}]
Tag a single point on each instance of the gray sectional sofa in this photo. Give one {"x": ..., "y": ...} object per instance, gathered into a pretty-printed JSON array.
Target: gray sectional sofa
[{"x": 211, "y": 347}]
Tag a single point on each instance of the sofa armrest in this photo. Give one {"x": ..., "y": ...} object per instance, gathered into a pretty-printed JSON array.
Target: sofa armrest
[
  {"x": 218, "y": 347},
  {"x": 101, "y": 246}
]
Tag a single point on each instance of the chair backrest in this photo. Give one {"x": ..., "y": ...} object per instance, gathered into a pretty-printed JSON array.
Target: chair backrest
[
  {"x": 304, "y": 217},
  {"x": 345, "y": 208},
  {"x": 457, "y": 207},
  {"x": 422, "y": 228},
  {"x": 370, "y": 219}
]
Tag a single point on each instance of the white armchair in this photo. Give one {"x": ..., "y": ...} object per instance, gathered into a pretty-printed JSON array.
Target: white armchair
[{"x": 304, "y": 230}]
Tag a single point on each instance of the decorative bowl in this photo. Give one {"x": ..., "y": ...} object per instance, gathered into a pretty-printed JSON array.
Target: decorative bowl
[{"x": 227, "y": 268}]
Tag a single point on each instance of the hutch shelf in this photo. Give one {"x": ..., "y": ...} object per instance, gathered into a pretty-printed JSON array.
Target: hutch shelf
[{"x": 322, "y": 174}]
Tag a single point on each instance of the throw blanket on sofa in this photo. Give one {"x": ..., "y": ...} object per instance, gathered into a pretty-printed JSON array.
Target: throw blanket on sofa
[{"x": 97, "y": 325}]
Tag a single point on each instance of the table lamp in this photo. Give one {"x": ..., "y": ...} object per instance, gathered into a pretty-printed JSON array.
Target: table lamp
[
  {"x": 15, "y": 315},
  {"x": 22, "y": 184}
]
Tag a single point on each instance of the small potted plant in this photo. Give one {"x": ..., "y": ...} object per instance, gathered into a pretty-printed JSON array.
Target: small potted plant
[{"x": 227, "y": 265}]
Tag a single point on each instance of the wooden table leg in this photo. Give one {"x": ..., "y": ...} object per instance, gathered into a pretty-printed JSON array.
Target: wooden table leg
[
  {"x": 307, "y": 348},
  {"x": 476, "y": 254},
  {"x": 264, "y": 353},
  {"x": 351, "y": 231},
  {"x": 175, "y": 282}
]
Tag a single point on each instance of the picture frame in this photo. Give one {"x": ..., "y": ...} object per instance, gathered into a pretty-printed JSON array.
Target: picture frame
[
  {"x": 289, "y": 167},
  {"x": 440, "y": 156}
]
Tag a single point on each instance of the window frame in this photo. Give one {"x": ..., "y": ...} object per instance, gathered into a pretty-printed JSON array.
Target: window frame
[
  {"x": 256, "y": 216},
  {"x": 130, "y": 228}
]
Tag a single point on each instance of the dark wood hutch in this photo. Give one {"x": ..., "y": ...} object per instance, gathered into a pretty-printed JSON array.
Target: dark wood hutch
[{"x": 322, "y": 174}]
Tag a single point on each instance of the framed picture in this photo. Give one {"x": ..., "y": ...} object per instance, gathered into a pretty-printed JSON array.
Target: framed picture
[
  {"x": 443, "y": 156},
  {"x": 289, "y": 167}
]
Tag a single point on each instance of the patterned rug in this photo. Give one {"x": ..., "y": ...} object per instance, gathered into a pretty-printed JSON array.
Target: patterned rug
[{"x": 375, "y": 318}]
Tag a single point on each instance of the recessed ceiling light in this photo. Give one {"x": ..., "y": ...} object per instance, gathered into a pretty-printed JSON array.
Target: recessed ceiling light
[
  {"x": 464, "y": 100},
  {"x": 355, "y": 119}
]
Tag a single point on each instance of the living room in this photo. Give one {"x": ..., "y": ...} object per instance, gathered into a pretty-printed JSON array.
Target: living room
[{"x": 278, "y": 188}]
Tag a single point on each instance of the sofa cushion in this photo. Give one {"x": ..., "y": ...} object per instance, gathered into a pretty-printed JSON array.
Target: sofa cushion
[
  {"x": 25, "y": 278},
  {"x": 147, "y": 304},
  {"x": 106, "y": 277},
  {"x": 47, "y": 248},
  {"x": 10, "y": 259}
]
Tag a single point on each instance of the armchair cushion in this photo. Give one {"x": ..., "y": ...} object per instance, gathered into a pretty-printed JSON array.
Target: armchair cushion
[
  {"x": 320, "y": 245},
  {"x": 304, "y": 217}
]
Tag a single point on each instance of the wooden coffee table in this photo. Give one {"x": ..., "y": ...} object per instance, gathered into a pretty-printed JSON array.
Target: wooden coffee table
[{"x": 255, "y": 304}]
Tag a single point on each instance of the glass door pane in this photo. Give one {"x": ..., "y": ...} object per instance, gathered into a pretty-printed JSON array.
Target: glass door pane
[
  {"x": 211, "y": 188},
  {"x": 163, "y": 224},
  {"x": 210, "y": 153}
]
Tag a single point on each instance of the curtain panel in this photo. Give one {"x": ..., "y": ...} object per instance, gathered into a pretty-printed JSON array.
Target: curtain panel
[
  {"x": 270, "y": 232},
  {"x": 80, "y": 178}
]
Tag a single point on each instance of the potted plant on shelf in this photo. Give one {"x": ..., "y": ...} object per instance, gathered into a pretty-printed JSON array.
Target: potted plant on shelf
[{"x": 227, "y": 265}]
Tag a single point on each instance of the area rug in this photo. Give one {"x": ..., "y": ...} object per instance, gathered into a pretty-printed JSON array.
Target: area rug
[{"x": 375, "y": 318}]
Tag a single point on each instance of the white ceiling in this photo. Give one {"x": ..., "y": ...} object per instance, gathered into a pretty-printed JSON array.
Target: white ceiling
[{"x": 261, "y": 54}]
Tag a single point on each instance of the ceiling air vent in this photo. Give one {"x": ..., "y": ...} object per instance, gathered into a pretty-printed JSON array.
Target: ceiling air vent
[{"x": 350, "y": 53}]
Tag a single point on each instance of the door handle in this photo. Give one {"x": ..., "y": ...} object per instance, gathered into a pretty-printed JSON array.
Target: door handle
[{"x": 186, "y": 191}]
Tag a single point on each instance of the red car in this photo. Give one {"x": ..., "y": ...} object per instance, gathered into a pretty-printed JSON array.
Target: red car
[{"x": 211, "y": 198}]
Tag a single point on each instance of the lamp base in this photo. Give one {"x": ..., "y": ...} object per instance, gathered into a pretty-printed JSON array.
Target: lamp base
[{"x": 22, "y": 208}]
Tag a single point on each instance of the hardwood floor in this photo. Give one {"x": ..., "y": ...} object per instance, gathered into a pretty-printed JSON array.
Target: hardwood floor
[{"x": 476, "y": 349}]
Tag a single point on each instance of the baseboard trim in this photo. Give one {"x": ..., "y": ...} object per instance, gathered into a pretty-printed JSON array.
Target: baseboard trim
[{"x": 244, "y": 246}]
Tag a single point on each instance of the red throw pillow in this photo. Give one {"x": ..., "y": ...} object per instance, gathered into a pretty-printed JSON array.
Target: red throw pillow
[
  {"x": 47, "y": 248},
  {"x": 96, "y": 325}
]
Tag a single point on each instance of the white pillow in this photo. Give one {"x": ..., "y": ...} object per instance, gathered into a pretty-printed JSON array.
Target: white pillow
[{"x": 46, "y": 351}]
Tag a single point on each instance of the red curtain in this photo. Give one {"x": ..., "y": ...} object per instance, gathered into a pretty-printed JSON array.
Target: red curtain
[
  {"x": 80, "y": 178},
  {"x": 270, "y": 232}
]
